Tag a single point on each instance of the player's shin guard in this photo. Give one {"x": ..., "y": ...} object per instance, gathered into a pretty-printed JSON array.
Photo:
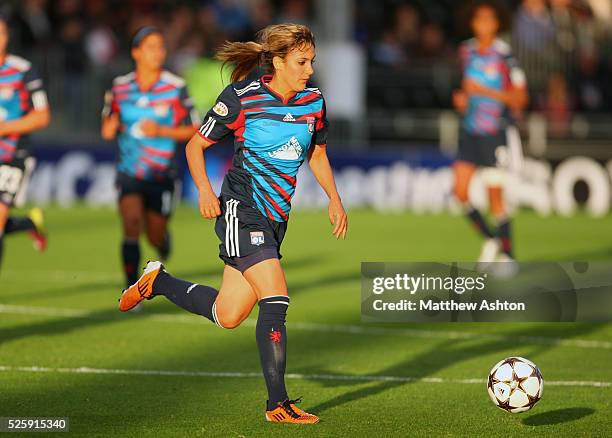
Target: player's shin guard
[
  {"x": 130, "y": 253},
  {"x": 479, "y": 222},
  {"x": 16, "y": 224},
  {"x": 503, "y": 234},
  {"x": 272, "y": 343},
  {"x": 192, "y": 297}
]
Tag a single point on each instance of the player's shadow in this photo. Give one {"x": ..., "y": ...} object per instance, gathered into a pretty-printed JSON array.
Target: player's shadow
[
  {"x": 557, "y": 416},
  {"x": 442, "y": 355}
]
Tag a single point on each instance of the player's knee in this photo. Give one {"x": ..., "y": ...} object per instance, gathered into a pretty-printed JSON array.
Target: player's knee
[{"x": 230, "y": 320}]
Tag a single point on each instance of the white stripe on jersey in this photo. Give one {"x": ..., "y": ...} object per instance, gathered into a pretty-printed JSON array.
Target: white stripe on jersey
[
  {"x": 252, "y": 86},
  {"x": 39, "y": 100}
]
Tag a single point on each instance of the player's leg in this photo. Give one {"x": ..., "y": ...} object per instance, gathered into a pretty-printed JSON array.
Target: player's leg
[
  {"x": 267, "y": 279},
  {"x": 156, "y": 226},
  {"x": 131, "y": 209},
  {"x": 494, "y": 179},
  {"x": 4, "y": 214},
  {"x": 463, "y": 171},
  {"x": 227, "y": 307},
  {"x": 159, "y": 204}
]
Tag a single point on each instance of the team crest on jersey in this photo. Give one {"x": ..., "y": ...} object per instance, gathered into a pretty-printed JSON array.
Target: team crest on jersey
[
  {"x": 257, "y": 238},
  {"x": 221, "y": 109},
  {"x": 142, "y": 101},
  {"x": 161, "y": 110},
  {"x": 6, "y": 93},
  {"x": 311, "y": 124}
]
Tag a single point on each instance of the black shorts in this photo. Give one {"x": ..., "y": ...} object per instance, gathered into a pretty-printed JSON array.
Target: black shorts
[
  {"x": 247, "y": 237},
  {"x": 14, "y": 177},
  {"x": 157, "y": 196},
  {"x": 480, "y": 149}
]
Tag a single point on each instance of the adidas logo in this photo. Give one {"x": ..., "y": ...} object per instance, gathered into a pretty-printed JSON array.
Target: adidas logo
[{"x": 288, "y": 118}]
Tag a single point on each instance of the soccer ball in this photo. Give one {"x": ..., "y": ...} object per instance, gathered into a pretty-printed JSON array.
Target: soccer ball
[{"x": 515, "y": 384}]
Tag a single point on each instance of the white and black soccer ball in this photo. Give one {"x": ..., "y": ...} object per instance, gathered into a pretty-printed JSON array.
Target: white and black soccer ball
[{"x": 515, "y": 384}]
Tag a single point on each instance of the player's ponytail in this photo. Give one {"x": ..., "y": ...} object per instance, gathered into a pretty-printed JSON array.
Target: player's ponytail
[{"x": 275, "y": 40}]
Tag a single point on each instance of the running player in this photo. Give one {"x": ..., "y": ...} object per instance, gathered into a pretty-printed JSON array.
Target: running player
[
  {"x": 23, "y": 109},
  {"x": 277, "y": 122},
  {"x": 149, "y": 111},
  {"x": 493, "y": 86}
]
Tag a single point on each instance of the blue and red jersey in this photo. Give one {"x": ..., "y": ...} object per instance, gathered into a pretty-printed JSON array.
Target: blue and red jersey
[
  {"x": 272, "y": 138},
  {"x": 21, "y": 91},
  {"x": 494, "y": 68},
  {"x": 166, "y": 103}
]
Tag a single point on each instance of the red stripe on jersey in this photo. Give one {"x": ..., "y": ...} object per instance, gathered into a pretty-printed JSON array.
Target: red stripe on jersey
[
  {"x": 248, "y": 98},
  {"x": 238, "y": 126},
  {"x": 307, "y": 98},
  {"x": 253, "y": 110},
  {"x": 151, "y": 163},
  {"x": 276, "y": 207},
  {"x": 163, "y": 88},
  {"x": 157, "y": 152},
  {"x": 180, "y": 112},
  {"x": 24, "y": 96},
  {"x": 122, "y": 87},
  {"x": 283, "y": 193},
  {"x": 7, "y": 146},
  {"x": 13, "y": 84},
  {"x": 10, "y": 71},
  {"x": 206, "y": 138}
]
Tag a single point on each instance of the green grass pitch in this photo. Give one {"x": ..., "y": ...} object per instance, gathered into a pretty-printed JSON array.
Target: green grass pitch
[{"x": 66, "y": 351}]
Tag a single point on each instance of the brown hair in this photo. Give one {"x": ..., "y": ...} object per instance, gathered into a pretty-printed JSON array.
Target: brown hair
[{"x": 275, "y": 40}]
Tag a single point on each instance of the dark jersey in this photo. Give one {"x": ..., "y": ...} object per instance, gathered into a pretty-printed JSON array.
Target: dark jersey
[
  {"x": 496, "y": 68},
  {"x": 21, "y": 90},
  {"x": 272, "y": 138},
  {"x": 165, "y": 103}
]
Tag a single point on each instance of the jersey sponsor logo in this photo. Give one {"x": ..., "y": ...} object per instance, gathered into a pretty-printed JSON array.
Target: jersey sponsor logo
[
  {"x": 311, "y": 124},
  {"x": 161, "y": 110},
  {"x": 257, "y": 238},
  {"x": 292, "y": 150},
  {"x": 6, "y": 93},
  {"x": 221, "y": 109},
  {"x": 288, "y": 118}
]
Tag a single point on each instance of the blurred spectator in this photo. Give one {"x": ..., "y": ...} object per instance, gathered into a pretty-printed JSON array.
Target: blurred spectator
[
  {"x": 557, "y": 105},
  {"x": 32, "y": 23}
]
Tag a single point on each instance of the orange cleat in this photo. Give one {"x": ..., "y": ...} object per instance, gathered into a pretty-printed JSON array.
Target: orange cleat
[
  {"x": 288, "y": 412},
  {"x": 142, "y": 289}
]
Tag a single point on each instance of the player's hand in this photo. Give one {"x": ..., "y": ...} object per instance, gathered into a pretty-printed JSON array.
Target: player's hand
[
  {"x": 471, "y": 86},
  {"x": 209, "y": 204},
  {"x": 338, "y": 218},
  {"x": 460, "y": 100},
  {"x": 149, "y": 128}
]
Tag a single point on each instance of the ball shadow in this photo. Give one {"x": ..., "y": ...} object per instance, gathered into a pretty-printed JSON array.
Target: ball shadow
[{"x": 557, "y": 416}]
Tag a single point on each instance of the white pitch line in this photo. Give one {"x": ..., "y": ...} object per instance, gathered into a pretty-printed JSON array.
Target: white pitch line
[
  {"x": 360, "y": 330},
  {"x": 334, "y": 377}
]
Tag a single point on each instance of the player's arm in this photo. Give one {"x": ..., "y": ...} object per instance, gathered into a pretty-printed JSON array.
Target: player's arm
[
  {"x": 225, "y": 117},
  {"x": 322, "y": 171},
  {"x": 39, "y": 115},
  {"x": 209, "y": 203},
  {"x": 460, "y": 98},
  {"x": 110, "y": 117}
]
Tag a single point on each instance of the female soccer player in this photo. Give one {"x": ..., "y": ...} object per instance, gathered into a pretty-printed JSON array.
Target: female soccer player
[
  {"x": 23, "y": 109},
  {"x": 150, "y": 111},
  {"x": 493, "y": 86},
  {"x": 277, "y": 122}
]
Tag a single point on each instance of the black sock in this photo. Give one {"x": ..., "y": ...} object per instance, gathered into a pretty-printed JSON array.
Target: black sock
[
  {"x": 130, "y": 252},
  {"x": 479, "y": 222},
  {"x": 15, "y": 224},
  {"x": 165, "y": 247},
  {"x": 272, "y": 343},
  {"x": 503, "y": 233},
  {"x": 193, "y": 297}
]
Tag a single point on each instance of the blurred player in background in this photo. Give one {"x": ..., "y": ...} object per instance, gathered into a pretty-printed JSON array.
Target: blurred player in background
[
  {"x": 150, "y": 112},
  {"x": 277, "y": 122},
  {"x": 493, "y": 87},
  {"x": 23, "y": 109}
]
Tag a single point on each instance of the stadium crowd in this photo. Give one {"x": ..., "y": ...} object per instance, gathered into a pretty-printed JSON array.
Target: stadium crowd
[{"x": 565, "y": 46}]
